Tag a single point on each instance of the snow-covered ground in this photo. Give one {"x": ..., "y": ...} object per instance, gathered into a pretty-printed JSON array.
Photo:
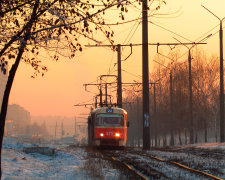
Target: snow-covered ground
[
  {"x": 64, "y": 164},
  {"x": 208, "y": 158},
  {"x": 79, "y": 163},
  {"x": 18, "y": 165}
]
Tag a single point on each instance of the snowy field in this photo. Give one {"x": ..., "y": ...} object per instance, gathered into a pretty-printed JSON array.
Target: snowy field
[
  {"x": 63, "y": 164},
  {"x": 208, "y": 158},
  {"x": 78, "y": 163}
]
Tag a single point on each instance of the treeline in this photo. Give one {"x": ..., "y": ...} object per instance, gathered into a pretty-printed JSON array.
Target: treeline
[{"x": 170, "y": 122}]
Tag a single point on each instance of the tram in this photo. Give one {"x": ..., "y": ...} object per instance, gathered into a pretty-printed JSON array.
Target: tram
[{"x": 107, "y": 126}]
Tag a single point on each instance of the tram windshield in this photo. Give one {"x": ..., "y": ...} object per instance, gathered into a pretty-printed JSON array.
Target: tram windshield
[{"x": 109, "y": 120}]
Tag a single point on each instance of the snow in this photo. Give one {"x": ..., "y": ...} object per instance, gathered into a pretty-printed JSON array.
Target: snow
[
  {"x": 212, "y": 146},
  {"x": 18, "y": 165},
  {"x": 64, "y": 164},
  {"x": 208, "y": 157},
  {"x": 170, "y": 171},
  {"x": 78, "y": 163}
]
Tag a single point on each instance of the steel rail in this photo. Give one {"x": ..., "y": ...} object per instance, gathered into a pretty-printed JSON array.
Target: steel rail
[
  {"x": 180, "y": 165},
  {"x": 131, "y": 169}
]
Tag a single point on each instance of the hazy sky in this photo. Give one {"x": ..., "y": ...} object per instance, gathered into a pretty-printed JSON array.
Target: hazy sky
[{"x": 62, "y": 86}]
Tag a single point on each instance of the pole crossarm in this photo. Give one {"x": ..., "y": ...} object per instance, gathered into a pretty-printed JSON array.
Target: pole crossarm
[
  {"x": 127, "y": 83},
  {"x": 83, "y": 104},
  {"x": 139, "y": 83},
  {"x": 98, "y": 84},
  {"x": 108, "y": 75},
  {"x": 150, "y": 44}
]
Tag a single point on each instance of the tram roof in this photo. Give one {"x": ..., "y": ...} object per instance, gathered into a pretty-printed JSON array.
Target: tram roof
[{"x": 103, "y": 110}]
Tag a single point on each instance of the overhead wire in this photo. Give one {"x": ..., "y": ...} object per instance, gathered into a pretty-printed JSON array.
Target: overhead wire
[
  {"x": 136, "y": 24},
  {"x": 207, "y": 32},
  {"x": 109, "y": 71},
  {"x": 181, "y": 63},
  {"x": 85, "y": 102},
  {"x": 139, "y": 76},
  {"x": 170, "y": 31},
  {"x": 202, "y": 41},
  {"x": 188, "y": 39}
]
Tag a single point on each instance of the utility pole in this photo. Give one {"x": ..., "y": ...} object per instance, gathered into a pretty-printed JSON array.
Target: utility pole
[
  {"x": 145, "y": 76},
  {"x": 106, "y": 94},
  {"x": 155, "y": 117},
  {"x": 171, "y": 109},
  {"x": 190, "y": 100},
  {"x": 138, "y": 123},
  {"x": 119, "y": 80},
  {"x": 222, "y": 138}
]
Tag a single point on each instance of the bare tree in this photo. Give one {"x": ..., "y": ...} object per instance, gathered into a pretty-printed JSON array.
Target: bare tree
[
  {"x": 58, "y": 26},
  {"x": 205, "y": 76}
]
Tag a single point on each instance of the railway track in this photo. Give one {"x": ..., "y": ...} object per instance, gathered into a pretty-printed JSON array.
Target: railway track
[
  {"x": 147, "y": 166},
  {"x": 198, "y": 172},
  {"x": 216, "y": 154}
]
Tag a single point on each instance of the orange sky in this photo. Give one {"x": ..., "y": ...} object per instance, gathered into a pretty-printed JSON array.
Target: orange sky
[{"x": 62, "y": 86}]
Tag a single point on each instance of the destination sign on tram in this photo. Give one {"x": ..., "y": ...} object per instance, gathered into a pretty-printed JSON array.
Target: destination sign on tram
[{"x": 109, "y": 110}]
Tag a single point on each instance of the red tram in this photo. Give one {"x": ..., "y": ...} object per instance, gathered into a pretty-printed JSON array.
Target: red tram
[{"x": 107, "y": 126}]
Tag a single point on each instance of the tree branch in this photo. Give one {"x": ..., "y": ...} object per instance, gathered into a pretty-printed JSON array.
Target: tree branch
[
  {"x": 64, "y": 25},
  {"x": 18, "y": 35},
  {"x": 15, "y": 8}
]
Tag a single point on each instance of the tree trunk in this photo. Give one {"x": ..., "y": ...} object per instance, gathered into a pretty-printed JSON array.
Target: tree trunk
[
  {"x": 185, "y": 132},
  {"x": 179, "y": 134},
  {"x": 6, "y": 97},
  {"x": 196, "y": 137},
  {"x": 12, "y": 73},
  {"x": 164, "y": 140},
  {"x": 205, "y": 133}
]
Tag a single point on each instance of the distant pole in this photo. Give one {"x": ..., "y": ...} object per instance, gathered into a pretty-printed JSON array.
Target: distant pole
[
  {"x": 190, "y": 100},
  {"x": 55, "y": 129},
  {"x": 62, "y": 131},
  {"x": 171, "y": 109},
  {"x": 138, "y": 123},
  {"x": 119, "y": 80},
  {"x": 155, "y": 117},
  {"x": 106, "y": 94},
  {"x": 222, "y": 138},
  {"x": 75, "y": 126},
  {"x": 145, "y": 76},
  {"x": 100, "y": 96}
]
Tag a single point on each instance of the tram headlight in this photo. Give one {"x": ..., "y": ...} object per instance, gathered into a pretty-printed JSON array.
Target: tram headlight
[
  {"x": 101, "y": 134},
  {"x": 117, "y": 134}
]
